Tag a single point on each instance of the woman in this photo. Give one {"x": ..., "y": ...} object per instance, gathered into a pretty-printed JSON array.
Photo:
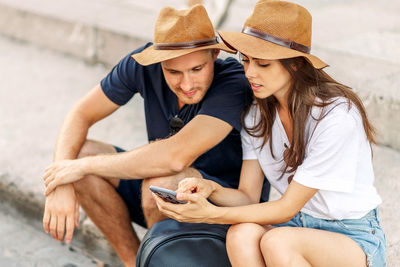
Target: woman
[{"x": 310, "y": 136}]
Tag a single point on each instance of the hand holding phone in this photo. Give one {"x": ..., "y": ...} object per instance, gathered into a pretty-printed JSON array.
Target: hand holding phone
[{"x": 166, "y": 194}]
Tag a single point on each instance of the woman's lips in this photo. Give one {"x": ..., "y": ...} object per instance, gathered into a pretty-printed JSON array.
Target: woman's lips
[{"x": 255, "y": 86}]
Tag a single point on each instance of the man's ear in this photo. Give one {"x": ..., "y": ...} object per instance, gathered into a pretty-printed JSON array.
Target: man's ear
[{"x": 215, "y": 54}]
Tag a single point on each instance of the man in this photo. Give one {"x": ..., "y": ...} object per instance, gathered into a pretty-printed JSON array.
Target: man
[{"x": 192, "y": 106}]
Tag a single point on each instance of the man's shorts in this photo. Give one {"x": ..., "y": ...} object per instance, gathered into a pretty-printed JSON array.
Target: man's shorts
[{"x": 131, "y": 193}]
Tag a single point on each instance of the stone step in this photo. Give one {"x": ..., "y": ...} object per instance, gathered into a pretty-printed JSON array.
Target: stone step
[{"x": 362, "y": 52}]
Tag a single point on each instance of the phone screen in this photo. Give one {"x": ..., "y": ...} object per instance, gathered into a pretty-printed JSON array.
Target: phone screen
[{"x": 166, "y": 194}]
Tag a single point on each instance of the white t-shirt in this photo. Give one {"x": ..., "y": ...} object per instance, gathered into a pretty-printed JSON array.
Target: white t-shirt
[{"x": 337, "y": 161}]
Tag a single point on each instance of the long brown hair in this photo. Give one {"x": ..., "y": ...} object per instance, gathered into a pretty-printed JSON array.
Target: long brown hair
[{"x": 308, "y": 84}]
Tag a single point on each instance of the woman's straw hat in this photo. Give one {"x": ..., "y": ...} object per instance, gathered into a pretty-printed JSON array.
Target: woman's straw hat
[
  {"x": 275, "y": 30},
  {"x": 180, "y": 32}
]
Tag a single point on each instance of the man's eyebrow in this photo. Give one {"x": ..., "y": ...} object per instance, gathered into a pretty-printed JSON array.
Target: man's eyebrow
[
  {"x": 199, "y": 66},
  {"x": 170, "y": 69},
  {"x": 194, "y": 67}
]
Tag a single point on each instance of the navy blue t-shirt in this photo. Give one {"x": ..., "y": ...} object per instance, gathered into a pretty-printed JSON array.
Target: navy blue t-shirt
[{"x": 225, "y": 99}]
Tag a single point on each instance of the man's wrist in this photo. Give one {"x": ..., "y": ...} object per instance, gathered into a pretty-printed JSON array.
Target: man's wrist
[
  {"x": 85, "y": 165},
  {"x": 214, "y": 186}
]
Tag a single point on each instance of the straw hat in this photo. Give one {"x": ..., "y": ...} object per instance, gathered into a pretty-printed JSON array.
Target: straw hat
[
  {"x": 275, "y": 30},
  {"x": 180, "y": 32}
]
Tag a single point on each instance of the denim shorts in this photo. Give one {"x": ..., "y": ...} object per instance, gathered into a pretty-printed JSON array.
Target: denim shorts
[{"x": 366, "y": 232}]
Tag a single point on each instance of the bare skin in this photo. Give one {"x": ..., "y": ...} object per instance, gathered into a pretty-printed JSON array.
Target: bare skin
[
  {"x": 105, "y": 207},
  {"x": 248, "y": 248},
  {"x": 150, "y": 210},
  {"x": 291, "y": 246}
]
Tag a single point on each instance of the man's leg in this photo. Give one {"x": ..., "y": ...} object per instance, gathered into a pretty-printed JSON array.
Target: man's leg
[
  {"x": 150, "y": 210},
  {"x": 105, "y": 207}
]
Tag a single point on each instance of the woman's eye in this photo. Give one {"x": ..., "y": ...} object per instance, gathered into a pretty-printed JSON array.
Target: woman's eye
[{"x": 263, "y": 65}]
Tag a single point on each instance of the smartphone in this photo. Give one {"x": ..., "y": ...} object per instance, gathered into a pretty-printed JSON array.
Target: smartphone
[{"x": 166, "y": 194}]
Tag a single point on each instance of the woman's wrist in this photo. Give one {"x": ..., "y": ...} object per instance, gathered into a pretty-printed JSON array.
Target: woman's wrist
[{"x": 219, "y": 215}]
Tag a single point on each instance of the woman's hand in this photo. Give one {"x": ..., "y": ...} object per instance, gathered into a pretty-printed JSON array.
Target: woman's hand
[
  {"x": 197, "y": 209},
  {"x": 62, "y": 172},
  {"x": 196, "y": 185}
]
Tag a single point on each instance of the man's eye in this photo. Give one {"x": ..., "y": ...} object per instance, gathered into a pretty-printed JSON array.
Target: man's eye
[
  {"x": 245, "y": 60},
  {"x": 196, "y": 69}
]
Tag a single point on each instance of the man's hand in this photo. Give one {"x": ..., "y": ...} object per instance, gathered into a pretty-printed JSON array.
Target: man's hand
[
  {"x": 61, "y": 213},
  {"x": 62, "y": 172},
  {"x": 196, "y": 185}
]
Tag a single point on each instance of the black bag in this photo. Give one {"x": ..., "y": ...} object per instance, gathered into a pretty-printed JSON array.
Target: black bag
[{"x": 174, "y": 244}]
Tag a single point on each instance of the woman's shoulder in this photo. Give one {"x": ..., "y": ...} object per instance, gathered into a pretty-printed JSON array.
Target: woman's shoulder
[
  {"x": 335, "y": 108},
  {"x": 253, "y": 114}
]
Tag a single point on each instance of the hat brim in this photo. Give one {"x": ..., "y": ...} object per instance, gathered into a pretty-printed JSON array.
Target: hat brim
[
  {"x": 150, "y": 55},
  {"x": 259, "y": 48}
]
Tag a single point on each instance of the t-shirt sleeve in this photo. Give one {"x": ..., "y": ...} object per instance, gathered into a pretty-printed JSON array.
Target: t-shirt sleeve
[
  {"x": 331, "y": 158},
  {"x": 228, "y": 96},
  {"x": 124, "y": 79},
  {"x": 247, "y": 146}
]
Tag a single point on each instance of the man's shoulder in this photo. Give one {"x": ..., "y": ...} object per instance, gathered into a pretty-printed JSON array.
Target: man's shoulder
[
  {"x": 228, "y": 65},
  {"x": 230, "y": 71}
]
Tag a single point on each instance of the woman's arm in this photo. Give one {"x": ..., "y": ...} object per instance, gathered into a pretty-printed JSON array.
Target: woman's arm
[
  {"x": 198, "y": 209},
  {"x": 249, "y": 190},
  {"x": 273, "y": 212}
]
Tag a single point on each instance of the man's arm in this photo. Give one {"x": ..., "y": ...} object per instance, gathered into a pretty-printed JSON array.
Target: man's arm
[
  {"x": 91, "y": 108},
  {"x": 163, "y": 157},
  {"x": 157, "y": 159},
  {"x": 60, "y": 208}
]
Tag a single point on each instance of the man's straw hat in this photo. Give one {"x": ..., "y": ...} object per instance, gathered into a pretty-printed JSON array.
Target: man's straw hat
[
  {"x": 180, "y": 32},
  {"x": 275, "y": 30}
]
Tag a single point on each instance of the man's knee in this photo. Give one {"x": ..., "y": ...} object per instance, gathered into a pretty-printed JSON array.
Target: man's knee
[
  {"x": 91, "y": 185},
  {"x": 169, "y": 182},
  {"x": 85, "y": 184},
  {"x": 148, "y": 202},
  {"x": 92, "y": 148}
]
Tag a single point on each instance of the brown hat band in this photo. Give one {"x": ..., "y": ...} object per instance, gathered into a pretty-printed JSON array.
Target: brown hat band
[
  {"x": 276, "y": 40},
  {"x": 194, "y": 44}
]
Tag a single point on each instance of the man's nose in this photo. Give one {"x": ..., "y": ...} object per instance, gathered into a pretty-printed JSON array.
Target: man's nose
[{"x": 186, "y": 82}]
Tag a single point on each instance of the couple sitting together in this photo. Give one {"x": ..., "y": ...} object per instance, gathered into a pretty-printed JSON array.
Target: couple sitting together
[{"x": 220, "y": 132}]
